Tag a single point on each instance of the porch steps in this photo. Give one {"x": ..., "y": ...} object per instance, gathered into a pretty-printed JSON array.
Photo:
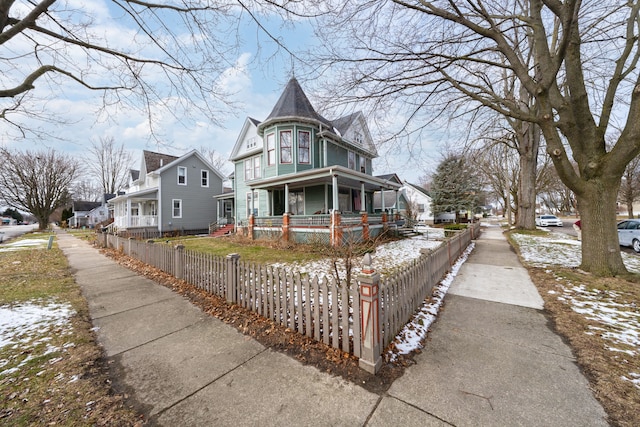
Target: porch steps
[
  {"x": 225, "y": 229},
  {"x": 406, "y": 232}
]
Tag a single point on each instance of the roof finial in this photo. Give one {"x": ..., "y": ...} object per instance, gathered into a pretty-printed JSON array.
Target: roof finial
[{"x": 293, "y": 68}]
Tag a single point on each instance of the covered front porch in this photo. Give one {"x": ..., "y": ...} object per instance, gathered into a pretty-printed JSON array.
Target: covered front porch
[
  {"x": 331, "y": 205},
  {"x": 136, "y": 210}
]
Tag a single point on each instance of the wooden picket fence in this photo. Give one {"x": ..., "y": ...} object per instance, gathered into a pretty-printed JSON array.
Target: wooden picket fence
[{"x": 321, "y": 308}]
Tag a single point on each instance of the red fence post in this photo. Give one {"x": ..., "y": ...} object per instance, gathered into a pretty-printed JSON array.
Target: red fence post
[{"x": 370, "y": 357}]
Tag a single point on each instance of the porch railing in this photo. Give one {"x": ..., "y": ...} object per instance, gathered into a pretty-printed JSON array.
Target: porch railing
[{"x": 136, "y": 221}]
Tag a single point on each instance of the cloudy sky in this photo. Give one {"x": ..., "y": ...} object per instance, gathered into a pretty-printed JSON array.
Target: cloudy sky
[{"x": 255, "y": 76}]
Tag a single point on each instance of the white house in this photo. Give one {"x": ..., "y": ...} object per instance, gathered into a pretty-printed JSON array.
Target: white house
[{"x": 420, "y": 201}]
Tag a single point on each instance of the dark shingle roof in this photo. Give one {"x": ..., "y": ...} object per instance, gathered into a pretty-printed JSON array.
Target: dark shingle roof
[
  {"x": 84, "y": 206},
  {"x": 155, "y": 161},
  {"x": 135, "y": 174},
  {"x": 342, "y": 124},
  {"x": 294, "y": 103}
]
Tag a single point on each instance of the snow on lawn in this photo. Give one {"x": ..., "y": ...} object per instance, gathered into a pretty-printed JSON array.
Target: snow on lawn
[
  {"x": 25, "y": 244},
  {"x": 619, "y": 322},
  {"x": 386, "y": 258},
  {"x": 26, "y": 327}
]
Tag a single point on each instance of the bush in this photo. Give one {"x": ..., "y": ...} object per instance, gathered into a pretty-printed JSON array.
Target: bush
[{"x": 455, "y": 227}]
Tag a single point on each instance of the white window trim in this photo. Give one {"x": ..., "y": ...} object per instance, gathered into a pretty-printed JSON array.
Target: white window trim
[
  {"x": 185, "y": 175},
  {"x": 255, "y": 202},
  {"x": 203, "y": 171},
  {"x": 271, "y": 147},
  {"x": 173, "y": 212}
]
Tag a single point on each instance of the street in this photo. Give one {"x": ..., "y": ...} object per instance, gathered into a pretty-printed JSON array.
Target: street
[{"x": 8, "y": 232}]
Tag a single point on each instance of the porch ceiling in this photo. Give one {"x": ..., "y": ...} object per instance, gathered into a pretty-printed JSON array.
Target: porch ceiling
[
  {"x": 346, "y": 177},
  {"x": 139, "y": 196}
]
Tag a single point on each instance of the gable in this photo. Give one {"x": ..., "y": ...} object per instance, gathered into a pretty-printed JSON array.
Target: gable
[
  {"x": 248, "y": 142},
  {"x": 353, "y": 129},
  {"x": 179, "y": 161}
]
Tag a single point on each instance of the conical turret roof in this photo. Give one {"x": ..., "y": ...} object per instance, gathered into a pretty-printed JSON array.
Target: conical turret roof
[{"x": 293, "y": 103}]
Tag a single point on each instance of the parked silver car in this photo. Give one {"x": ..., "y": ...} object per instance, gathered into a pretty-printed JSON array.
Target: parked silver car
[
  {"x": 547, "y": 220},
  {"x": 629, "y": 233}
]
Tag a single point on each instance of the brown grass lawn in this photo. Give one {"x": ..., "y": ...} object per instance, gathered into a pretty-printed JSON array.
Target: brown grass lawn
[
  {"x": 70, "y": 385},
  {"x": 54, "y": 375},
  {"x": 582, "y": 309}
]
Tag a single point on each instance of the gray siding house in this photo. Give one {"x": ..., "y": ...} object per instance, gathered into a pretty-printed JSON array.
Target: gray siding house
[{"x": 168, "y": 195}]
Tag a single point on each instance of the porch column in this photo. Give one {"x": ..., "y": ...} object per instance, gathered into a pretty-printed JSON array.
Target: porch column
[
  {"x": 335, "y": 229},
  {"x": 286, "y": 198},
  {"x": 363, "y": 202},
  {"x": 334, "y": 184},
  {"x": 252, "y": 223},
  {"x": 285, "y": 226},
  {"x": 382, "y": 207},
  {"x": 397, "y": 217},
  {"x": 128, "y": 212}
]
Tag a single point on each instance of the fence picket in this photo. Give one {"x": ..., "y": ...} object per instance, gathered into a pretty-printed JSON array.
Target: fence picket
[{"x": 325, "y": 309}]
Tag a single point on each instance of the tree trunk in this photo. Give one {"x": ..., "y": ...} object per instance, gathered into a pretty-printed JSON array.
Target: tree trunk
[
  {"x": 527, "y": 192},
  {"x": 599, "y": 234},
  {"x": 528, "y": 144},
  {"x": 630, "y": 208}
]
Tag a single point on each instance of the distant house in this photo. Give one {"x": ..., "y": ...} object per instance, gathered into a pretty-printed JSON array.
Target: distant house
[
  {"x": 389, "y": 201},
  {"x": 7, "y": 220},
  {"x": 420, "y": 202},
  {"x": 298, "y": 174},
  {"x": 87, "y": 214},
  {"x": 168, "y": 194}
]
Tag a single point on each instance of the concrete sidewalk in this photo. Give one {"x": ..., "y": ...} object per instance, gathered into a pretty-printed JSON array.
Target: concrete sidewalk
[{"x": 486, "y": 362}]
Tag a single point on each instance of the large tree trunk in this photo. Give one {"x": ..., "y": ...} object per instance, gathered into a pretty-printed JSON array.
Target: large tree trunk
[
  {"x": 527, "y": 192},
  {"x": 598, "y": 214},
  {"x": 528, "y": 144}
]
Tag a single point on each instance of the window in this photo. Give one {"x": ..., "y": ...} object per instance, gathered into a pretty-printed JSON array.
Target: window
[
  {"x": 182, "y": 175},
  {"x": 285, "y": 146},
  {"x": 304, "y": 147},
  {"x": 271, "y": 149},
  {"x": 252, "y": 203},
  {"x": 296, "y": 203},
  {"x": 351, "y": 160},
  {"x": 256, "y": 167},
  {"x": 357, "y": 138},
  {"x": 252, "y": 168},
  {"x": 204, "y": 178},
  {"x": 363, "y": 164},
  {"x": 252, "y": 142},
  {"x": 421, "y": 207},
  {"x": 177, "y": 208}
]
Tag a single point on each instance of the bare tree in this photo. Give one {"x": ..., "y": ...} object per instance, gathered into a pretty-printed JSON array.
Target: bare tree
[
  {"x": 497, "y": 162},
  {"x": 87, "y": 190},
  {"x": 575, "y": 62},
  {"x": 217, "y": 160},
  {"x": 36, "y": 182},
  {"x": 167, "y": 56},
  {"x": 109, "y": 164},
  {"x": 630, "y": 188}
]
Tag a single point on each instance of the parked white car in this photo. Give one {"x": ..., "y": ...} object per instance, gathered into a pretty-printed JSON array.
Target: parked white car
[
  {"x": 629, "y": 233},
  {"x": 547, "y": 220}
]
